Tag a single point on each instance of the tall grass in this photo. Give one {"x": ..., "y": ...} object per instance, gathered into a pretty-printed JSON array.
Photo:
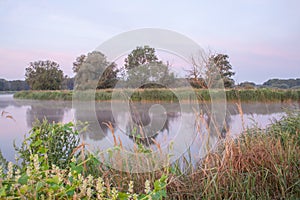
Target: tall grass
[{"x": 168, "y": 95}]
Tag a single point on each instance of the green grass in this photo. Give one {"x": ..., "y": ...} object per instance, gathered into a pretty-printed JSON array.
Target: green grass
[
  {"x": 260, "y": 164},
  {"x": 264, "y": 95}
]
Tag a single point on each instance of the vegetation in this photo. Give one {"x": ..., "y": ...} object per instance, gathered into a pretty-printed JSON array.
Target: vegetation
[
  {"x": 161, "y": 94},
  {"x": 15, "y": 85},
  {"x": 144, "y": 70},
  {"x": 283, "y": 83},
  {"x": 218, "y": 67},
  {"x": 44, "y": 75},
  {"x": 260, "y": 164},
  {"x": 94, "y": 71},
  {"x": 140, "y": 56}
]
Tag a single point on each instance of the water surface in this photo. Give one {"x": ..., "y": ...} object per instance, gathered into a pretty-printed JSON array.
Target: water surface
[{"x": 162, "y": 126}]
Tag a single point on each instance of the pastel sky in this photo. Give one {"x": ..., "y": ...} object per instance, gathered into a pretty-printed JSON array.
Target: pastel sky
[{"x": 261, "y": 37}]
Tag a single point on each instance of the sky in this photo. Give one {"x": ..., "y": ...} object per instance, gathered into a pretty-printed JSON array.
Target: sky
[{"x": 261, "y": 37}]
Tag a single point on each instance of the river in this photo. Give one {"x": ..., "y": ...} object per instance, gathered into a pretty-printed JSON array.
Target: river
[{"x": 18, "y": 116}]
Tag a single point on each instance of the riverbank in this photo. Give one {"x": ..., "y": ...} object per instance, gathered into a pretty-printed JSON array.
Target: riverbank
[
  {"x": 260, "y": 164},
  {"x": 263, "y": 95}
]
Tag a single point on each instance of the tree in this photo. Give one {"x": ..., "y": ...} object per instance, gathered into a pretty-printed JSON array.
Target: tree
[
  {"x": 94, "y": 70},
  {"x": 195, "y": 74},
  {"x": 79, "y": 60},
  {"x": 68, "y": 83},
  {"x": 140, "y": 56},
  {"x": 218, "y": 68},
  {"x": 145, "y": 70},
  {"x": 44, "y": 75}
]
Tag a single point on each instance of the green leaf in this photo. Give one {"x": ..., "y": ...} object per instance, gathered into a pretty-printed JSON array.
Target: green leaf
[
  {"x": 122, "y": 195},
  {"x": 39, "y": 185},
  {"x": 54, "y": 179},
  {"x": 24, "y": 189},
  {"x": 2, "y": 191},
  {"x": 23, "y": 179}
]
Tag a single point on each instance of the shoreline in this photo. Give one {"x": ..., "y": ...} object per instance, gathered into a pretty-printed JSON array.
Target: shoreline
[{"x": 164, "y": 95}]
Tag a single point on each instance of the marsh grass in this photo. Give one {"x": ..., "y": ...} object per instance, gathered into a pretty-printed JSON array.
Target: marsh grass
[{"x": 161, "y": 94}]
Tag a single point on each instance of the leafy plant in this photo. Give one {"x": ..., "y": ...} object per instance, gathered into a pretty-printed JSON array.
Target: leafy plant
[{"x": 55, "y": 140}]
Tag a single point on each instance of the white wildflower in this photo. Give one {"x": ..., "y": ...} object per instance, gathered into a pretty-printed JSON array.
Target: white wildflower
[
  {"x": 36, "y": 162},
  {"x": 135, "y": 197},
  {"x": 17, "y": 174},
  {"x": 84, "y": 187},
  {"x": 100, "y": 187},
  {"x": 73, "y": 160},
  {"x": 80, "y": 177},
  {"x": 114, "y": 193},
  {"x": 89, "y": 192},
  {"x": 147, "y": 187},
  {"x": 28, "y": 171},
  {"x": 10, "y": 170},
  {"x": 90, "y": 179},
  {"x": 130, "y": 187}
]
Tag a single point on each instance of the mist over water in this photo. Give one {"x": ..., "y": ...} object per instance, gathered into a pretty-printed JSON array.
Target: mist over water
[{"x": 166, "y": 121}]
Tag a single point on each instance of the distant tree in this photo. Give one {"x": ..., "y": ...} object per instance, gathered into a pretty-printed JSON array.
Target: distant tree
[
  {"x": 247, "y": 85},
  {"x": 68, "y": 83},
  {"x": 282, "y": 83},
  {"x": 145, "y": 70},
  {"x": 95, "y": 70},
  {"x": 79, "y": 60},
  {"x": 44, "y": 75},
  {"x": 109, "y": 77},
  {"x": 195, "y": 74},
  {"x": 18, "y": 85},
  {"x": 140, "y": 56},
  {"x": 4, "y": 85},
  {"x": 218, "y": 67}
]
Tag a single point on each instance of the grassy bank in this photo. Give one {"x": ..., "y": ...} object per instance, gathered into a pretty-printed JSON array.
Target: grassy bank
[
  {"x": 260, "y": 164},
  {"x": 167, "y": 95}
]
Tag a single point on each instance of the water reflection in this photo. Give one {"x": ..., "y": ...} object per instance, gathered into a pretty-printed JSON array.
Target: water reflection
[
  {"x": 41, "y": 112},
  {"x": 144, "y": 121}
]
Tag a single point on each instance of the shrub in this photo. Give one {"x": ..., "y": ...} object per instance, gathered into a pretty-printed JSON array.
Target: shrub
[{"x": 54, "y": 140}]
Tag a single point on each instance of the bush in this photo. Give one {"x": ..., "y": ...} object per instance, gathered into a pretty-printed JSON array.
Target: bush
[{"x": 54, "y": 140}]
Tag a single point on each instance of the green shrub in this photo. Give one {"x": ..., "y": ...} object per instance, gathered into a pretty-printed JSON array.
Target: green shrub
[{"x": 54, "y": 140}]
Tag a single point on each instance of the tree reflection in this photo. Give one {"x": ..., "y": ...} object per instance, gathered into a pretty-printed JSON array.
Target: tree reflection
[{"x": 42, "y": 111}]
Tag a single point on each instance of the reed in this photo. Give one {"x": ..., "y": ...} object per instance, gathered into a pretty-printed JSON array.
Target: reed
[{"x": 250, "y": 95}]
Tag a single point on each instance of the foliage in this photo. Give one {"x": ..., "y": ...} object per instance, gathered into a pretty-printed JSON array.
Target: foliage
[
  {"x": 140, "y": 56},
  {"x": 218, "y": 67},
  {"x": 68, "y": 83},
  {"x": 144, "y": 70},
  {"x": 54, "y": 140},
  {"x": 44, "y": 75},
  {"x": 39, "y": 182},
  {"x": 79, "y": 61},
  {"x": 94, "y": 71},
  {"x": 282, "y": 83},
  {"x": 288, "y": 125},
  {"x": 15, "y": 85},
  {"x": 247, "y": 85},
  {"x": 163, "y": 94},
  {"x": 148, "y": 74},
  {"x": 257, "y": 165}
]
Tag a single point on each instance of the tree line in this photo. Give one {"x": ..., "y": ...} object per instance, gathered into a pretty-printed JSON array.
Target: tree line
[
  {"x": 142, "y": 69},
  {"x": 15, "y": 85}
]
